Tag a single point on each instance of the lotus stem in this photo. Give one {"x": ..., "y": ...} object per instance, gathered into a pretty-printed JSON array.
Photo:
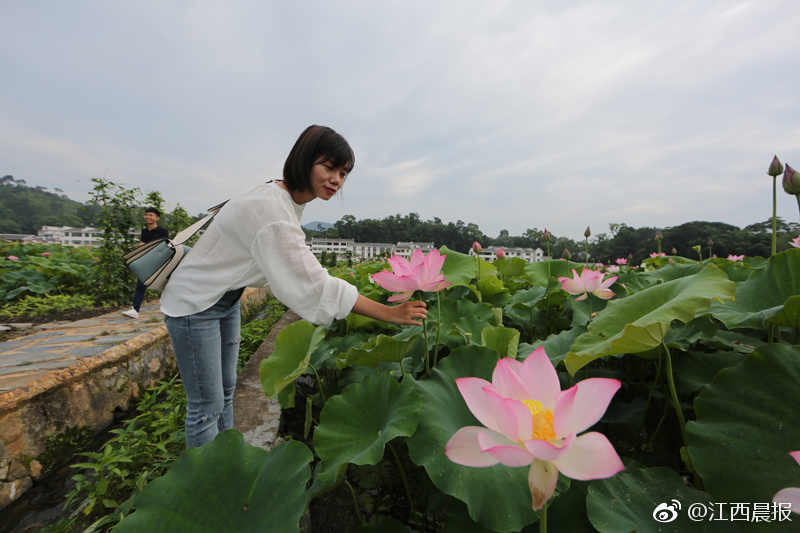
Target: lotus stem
[
  {"x": 438, "y": 325},
  {"x": 355, "y": 501},
  {"x": 681, "y": 419},
  {"x": 319, "y": 383},
  {"x": 402, "y": 476},
  {"x": 427, "y": 348},
  {"x": 774, "y": 214},
  {"x": 543, "y": 519},
  {"x": 797, "y": 197}
]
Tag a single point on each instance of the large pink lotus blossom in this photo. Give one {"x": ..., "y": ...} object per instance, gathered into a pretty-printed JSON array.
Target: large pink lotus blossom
[
  {"x": 656, "y": 254},
  {"x": 422, "y": 273},
  {"x": 795, "y": 242},
  {"x": 590, "y": 281},
  {"x": 15, "y": 258},
  {"x": 790, "y": 495},
  {"x": 529, "y": 420},
  {"x": 621, "y": 261},
  {"x": 735, "y": 257}
]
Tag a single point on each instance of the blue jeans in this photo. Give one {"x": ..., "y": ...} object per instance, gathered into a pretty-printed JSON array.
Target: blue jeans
[{"x": 206, "y": 345}]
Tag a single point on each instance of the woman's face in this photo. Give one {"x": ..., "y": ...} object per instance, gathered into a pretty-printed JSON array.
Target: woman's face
[{"x": 326, "y": 180}]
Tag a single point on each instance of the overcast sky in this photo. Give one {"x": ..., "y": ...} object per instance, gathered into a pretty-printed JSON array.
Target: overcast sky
[{"x": 512, "y": 115}]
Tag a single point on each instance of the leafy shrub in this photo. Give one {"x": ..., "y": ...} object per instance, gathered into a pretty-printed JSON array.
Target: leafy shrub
[{"x": 44, "y": 305}]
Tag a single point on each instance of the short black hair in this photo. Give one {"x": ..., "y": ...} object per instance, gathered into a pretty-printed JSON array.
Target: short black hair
[
  {"x": 153, "y": 210},
  {"x": 315, "y": 143}
]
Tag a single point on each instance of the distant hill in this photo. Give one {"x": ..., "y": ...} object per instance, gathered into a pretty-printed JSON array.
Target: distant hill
[
  {"x": 24, "y": 210},
  {"x": 315, "y": 226}
]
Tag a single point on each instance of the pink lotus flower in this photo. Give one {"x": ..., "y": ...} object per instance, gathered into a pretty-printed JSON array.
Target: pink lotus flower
[
  {"x": 590, "y": 281},
  {"x": 422, "y": 273},
  {"x": 795, "y": 242},
  {"x": 656, "y": 254},
  {"x": 476, "y": 247},
  {"x": 529, "y": 420},
  {"x": 45, "y": 254},
  {"x": 790, "y": 495},
  {"x": 613, "y": 268},
  {"x": 735, "y": 257},
  {"x": 15, "y": 258},
  {"x": 500, "y": 253},
  {"x": 622, "y": 261}
]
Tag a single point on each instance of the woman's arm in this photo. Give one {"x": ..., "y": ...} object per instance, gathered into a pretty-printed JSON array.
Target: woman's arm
[{"x": 407, "y": 313}]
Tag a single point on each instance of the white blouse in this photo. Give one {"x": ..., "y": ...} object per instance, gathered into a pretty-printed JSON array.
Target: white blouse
[{"x": 256, "y": 240}]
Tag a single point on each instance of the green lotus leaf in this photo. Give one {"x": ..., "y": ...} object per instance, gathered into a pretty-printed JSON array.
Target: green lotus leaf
[
  {"x": 355, "y": 425},
  {"x": 442, "y": 414},
  {"x": 695, "y": 370},
  {"x": 460, "y": 269},
  {"x": 504, "y": 341},
  {"x": 493, "y": 292},
  {"x": 293, "y": 348},
  {"x": 640, "y": 322},
  {"x": 226, "y": 485},
  {"x": 640, "y": 281},
  {"x": 627, "y": 502},
  {"x": 789, "y": 314},
  {"x": 555, "y": 346},
  {"x": 328, "y": 350},
  {"x": 538, "y": 272},
  {"x": 511, "y": 267},
  {"x": 763, "y": 294},
  {"x": 747, "y": 423},
  {"x": 380, "y": 349}
]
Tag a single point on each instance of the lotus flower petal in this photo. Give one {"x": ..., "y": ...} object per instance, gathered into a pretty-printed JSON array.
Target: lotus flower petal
[
  {"x": 590, "y": 457},
  {"x": 547, "y": 451},
  {"x": 463, "y": 448},
  {"x": 540, "y": 378},
  {"x": 508, "y": 383},
  {"x": 504, "y": 450},
  {"x": 542, "y": 479},
  {"x": 790, "y": 495},
  {"x": 586, "y": 406},
  {"x": 472, "y": 389}
]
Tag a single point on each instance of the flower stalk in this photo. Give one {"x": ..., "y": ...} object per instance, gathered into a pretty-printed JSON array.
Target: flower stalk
[{"x": 775, "y": 169}]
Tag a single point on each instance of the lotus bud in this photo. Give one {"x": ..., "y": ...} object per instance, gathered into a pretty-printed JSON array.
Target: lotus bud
[
  {"x": 711, "y": 242},
  {"x": 546, "y": 235},
  {"x": 566, "y": 255},
  {"x": 587, "y": 233},
  {"x": 696, "y": 248},
  {"x": 658, "y": 236},
  {"x": 674, "y": 251},
  {"x": 500, "y": 253},
  {"x": 776, "y": 167},
  {"x": 791, "y": 181},
  {"x": 476, "y": 247}
]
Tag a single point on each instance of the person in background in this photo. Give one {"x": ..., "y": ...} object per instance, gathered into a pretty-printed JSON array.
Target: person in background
[
  {"x": 151, "y": 232},
  {"x": 256, "y": 240}
]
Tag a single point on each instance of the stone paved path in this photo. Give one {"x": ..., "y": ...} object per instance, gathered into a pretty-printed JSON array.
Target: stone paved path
[{"x": 25, "y": 361}]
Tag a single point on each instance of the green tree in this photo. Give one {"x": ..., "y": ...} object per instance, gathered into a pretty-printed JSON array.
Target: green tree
[{"x": 119, "y": 215}]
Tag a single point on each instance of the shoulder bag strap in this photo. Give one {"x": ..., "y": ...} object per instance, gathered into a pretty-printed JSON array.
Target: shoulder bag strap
[{"x": 185, "y": 234}]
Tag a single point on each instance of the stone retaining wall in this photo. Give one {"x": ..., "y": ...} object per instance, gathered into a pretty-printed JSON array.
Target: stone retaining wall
[{"x": 88, "y": 394}]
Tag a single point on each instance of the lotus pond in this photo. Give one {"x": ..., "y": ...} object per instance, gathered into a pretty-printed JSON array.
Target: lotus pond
[{"x": 698, "y": 361}]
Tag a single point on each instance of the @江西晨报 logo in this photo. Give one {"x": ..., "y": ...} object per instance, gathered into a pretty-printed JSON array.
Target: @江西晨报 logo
[{"x": 667, "y": 512}]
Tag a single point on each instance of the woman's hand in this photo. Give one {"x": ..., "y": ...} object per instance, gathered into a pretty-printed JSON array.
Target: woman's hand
[
  {"x": 406, "y": 314},
  {"x": 409, "y": 313}
]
